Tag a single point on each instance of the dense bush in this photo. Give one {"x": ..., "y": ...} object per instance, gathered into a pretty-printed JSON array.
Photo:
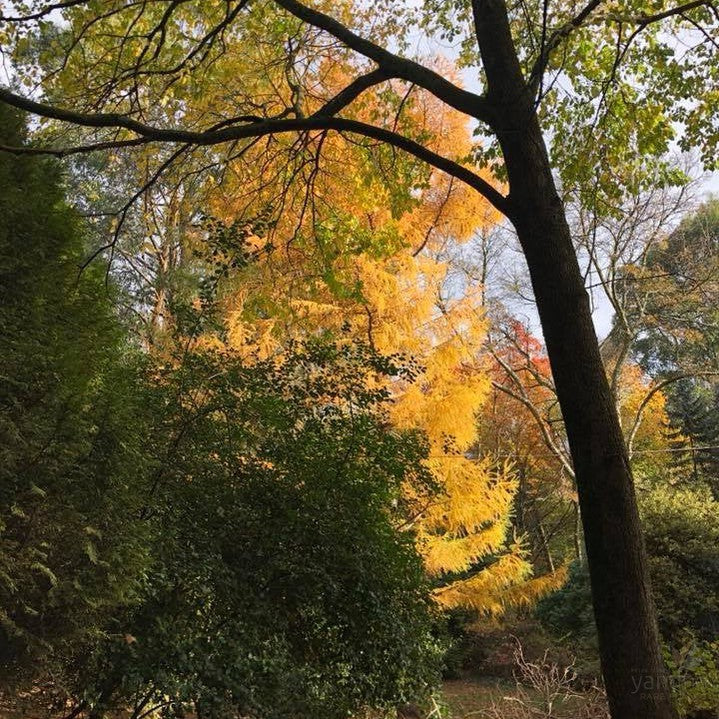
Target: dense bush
[
  {"x": 280, "y": 586},
  {"x": 681, "y": 531},
  {"x": 568, "y": 611}
]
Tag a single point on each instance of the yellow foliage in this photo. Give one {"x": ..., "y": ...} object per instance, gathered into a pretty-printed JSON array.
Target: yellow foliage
[
  {"x": 399, "y": 300},
  {"x": 634, "y": 388},
  {"x": 488, "y": 590},
  {"x": 526, "y": 593}
]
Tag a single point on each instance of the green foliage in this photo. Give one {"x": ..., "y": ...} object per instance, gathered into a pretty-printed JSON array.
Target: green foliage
[
  {"x": 71, "y": 454},
  {"x": 281, "y": 587},
  {"x": 694, "y": 409},
  {"x": 568, "y": 612},
  {"x": 681, "y": 531},
  {"x": 678, "y": 295},
  {"x": 681, "y": 332},
  {"x": 197, "y": 532},
  {"x": 694, "y": 671}
]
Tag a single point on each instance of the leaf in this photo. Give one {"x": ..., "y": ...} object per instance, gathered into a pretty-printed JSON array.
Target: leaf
[{"x": 91, "y": 552}]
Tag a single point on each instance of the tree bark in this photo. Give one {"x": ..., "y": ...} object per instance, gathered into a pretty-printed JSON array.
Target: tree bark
[{"x": 634, "y": 673}]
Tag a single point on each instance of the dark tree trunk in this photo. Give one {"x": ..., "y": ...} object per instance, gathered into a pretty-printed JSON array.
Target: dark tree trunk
[{"x": 632, "y": 665}]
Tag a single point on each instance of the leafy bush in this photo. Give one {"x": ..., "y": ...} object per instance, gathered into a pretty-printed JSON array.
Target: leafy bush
[
  {"x": 694, "y": 668},
  {"x": 681, "y": 531},
  {"x": 280, "y": 586}
]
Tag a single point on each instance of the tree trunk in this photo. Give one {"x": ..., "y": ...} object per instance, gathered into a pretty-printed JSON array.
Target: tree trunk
[
  {"x": 629, "y": 645},
  {"x": 634, "y": 673},
  {"x": 578, "y": 541},
  {"x": 544, "y": 542}
]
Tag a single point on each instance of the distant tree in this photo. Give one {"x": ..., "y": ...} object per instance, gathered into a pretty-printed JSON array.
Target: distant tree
[
  {"x": 673, "y": 299},
  {"x": 681, "y": 326}
]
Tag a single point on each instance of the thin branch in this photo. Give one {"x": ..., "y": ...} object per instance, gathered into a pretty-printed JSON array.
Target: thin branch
[
  {"x": 541, "y": 424},
  {"x": 640, "y": 21},
  {"x": 77, "y": 150},
  {"x": 644, "y": 20},
  {"x": 556, "y": 39},
  {"x": 47, "y": 10}
]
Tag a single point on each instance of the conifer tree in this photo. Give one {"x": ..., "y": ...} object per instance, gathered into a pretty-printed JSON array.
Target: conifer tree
[{"x": 71, "y": 429}]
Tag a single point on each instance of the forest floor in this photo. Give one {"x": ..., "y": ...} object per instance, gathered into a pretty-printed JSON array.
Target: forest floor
[
  {"x": 471, "y": 698},
  {"x": 492, "y": 698}
]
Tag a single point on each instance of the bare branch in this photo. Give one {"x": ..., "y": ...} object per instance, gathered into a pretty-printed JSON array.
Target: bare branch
[{"x": 522, "y": 397}]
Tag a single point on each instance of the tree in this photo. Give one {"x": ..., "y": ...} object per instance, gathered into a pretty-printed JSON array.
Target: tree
[
  {"x": 75, "y": 454},
  {"x": 382, "y": 282},
  {"x": 682, "y": 271},
  {"x": 619, "y": 113},
  {"x": 694, "y": 407},
  {"x": 524, "y": 424},
  {"x": 398, "y": 303},
  {"x": 671, "y": 300}
]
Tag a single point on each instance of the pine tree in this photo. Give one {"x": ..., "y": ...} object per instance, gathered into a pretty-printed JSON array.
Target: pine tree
[{"x": 694, "y": 409}]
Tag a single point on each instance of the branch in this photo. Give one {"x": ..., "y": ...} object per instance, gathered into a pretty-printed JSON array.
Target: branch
[
  {"x": 350, "y": 93},
  {"x": 644, "y": 20},
  {"x": 541, "y": 424},
  {"x": 77, "y": 150},
  {"x": 556, "y": 38},
  {"x": 467, "y": 102},
  {"x": 641, "y": 21},
  {"x": 47, "y": 10},
  {"x": 254, "y": 129}
]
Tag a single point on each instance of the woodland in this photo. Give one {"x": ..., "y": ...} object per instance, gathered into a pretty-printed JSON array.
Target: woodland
[{"x": 359, "y": 359}]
